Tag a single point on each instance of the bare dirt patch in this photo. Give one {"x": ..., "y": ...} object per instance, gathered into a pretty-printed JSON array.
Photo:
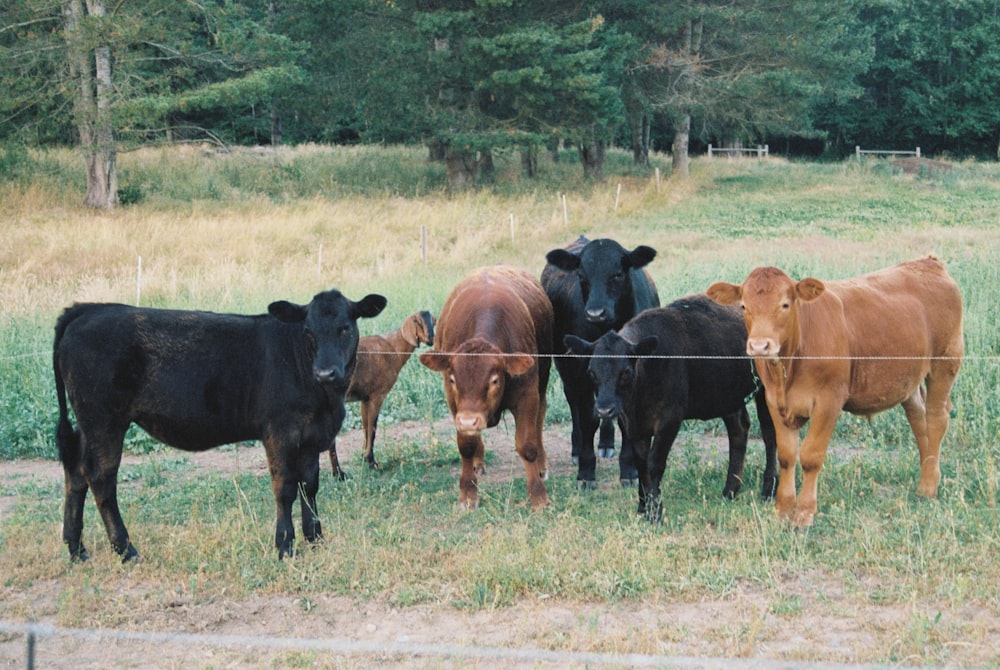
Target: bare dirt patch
[{"x": 819, "y": 622}]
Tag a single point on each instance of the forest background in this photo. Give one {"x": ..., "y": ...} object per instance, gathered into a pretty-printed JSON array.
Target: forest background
[{"x": 470, "y": 78}]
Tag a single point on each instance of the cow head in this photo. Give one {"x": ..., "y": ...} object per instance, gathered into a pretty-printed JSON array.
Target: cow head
[
  {"x": 475, "y": 377},
  {"x": 770, "y": 301},
  {"x": 611, "y": 369},
  {"x": 419, "y": 329},
  {"x": 603, "y": 270},
  {"x": 330, "y": 330}
]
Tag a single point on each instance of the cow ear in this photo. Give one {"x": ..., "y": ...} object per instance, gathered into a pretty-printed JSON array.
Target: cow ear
[
  {"x": 435, "y": 360},
  {"x": 641, "y": 256},
  {"x": 288, "y": 312},
  {"x": 647, "y": 345},
  {"x": 564, "y": 260},
  {"x": 410, "y": 329},
  {"x": 578, "y": 345},
  {"x": 809, "y": 289},
  {"x": 725, "y": 293},
  {"x": 517, "y": 364},
  {"x": 369, "y": 306}
]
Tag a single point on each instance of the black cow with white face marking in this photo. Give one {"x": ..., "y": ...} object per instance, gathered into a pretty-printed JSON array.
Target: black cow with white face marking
[
  {"x": 683, "y": 361},
  {"x": 197, "y": 380},
  {"x": 594, "y": 286}
]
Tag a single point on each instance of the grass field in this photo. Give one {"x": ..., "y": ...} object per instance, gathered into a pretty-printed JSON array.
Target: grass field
[{"x": 882, "y": 577}]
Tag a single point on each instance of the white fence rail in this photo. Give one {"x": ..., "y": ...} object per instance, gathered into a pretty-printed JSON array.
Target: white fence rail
[
  {"x": 859, "y": 152},
  {"x": 761, "y": 151}
]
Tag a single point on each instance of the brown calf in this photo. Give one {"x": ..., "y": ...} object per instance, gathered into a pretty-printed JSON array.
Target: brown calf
[
  {"x": 493, "y": 348},
  {"x": 864, "y": 345},
  {"x": 380, "y": 360}
]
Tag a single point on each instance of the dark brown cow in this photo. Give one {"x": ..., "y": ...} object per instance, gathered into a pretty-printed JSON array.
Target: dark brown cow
[
  {"x": 864, "y": 345},
  {"x": 493, "y": 347}
]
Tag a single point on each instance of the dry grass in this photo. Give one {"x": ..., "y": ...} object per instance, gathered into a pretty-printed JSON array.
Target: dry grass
[{"x": 881, "y": 578}]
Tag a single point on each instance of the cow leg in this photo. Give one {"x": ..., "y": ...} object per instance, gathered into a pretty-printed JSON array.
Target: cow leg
[
  {"x": 811, "y": 457},
  {"x": 308, "y": 488},
  {"x": 584, "y": 427},
  {"x": 76, "y": 495},
  {"x": 472, "y": 451},
  {"x": 100, "y": 458},
  {"x": 663, "y": 441},
  {"x": 627, "y": 472},
  {"x": 770, "y": 484},
  {"x": 284, "y": 486},
  {"x": 338, "y": 472},
  {"x": 528, "y": 443},
  {"x": 641, "y": 449},
  {"x": 787, "y": 440},
  {"x": 738, "y": 428},
  {"x": 606, "y": 439},
  {"x": 936, "y": 407},
  {"x": 369, "y": 420}
]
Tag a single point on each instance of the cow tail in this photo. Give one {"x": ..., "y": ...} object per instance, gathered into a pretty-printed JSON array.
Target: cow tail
[{"x": 67, "y": 439}]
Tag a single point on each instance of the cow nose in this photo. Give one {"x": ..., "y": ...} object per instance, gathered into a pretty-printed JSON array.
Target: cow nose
[
  {"x": 597, "y": 315},
  {"x": 761, "y": 346},
  {"x": 468, "y": 423},
  {"x": 327, "y": 375},
  {"x": 605, "y": 412}
]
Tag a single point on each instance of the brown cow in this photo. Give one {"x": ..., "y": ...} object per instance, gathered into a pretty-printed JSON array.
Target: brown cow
[
  {"x": 493, "y": 347},
  {"x": 892, "y": 337},
  {"x": 380, "y": 360}
]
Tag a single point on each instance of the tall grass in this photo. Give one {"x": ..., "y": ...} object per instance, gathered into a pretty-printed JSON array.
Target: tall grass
[{"x": 231, "y": 232}]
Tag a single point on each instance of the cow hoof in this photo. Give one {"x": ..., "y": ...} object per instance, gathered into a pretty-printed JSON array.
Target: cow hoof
[
  {"x": 586, "y": 484},
  {"x": 607, "y": 452},
  {"x": 629, "y": 483},
  {"x": 130, "y": 555},
  {"x": 80, "y": 555}
]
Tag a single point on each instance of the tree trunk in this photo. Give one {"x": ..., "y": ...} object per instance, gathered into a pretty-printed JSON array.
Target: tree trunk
[
  {"x": 462, "y": 168},
  {"x": 529, "y": 161},
  {"x": 592, "y": 152},
  {"x": 276, "y": 137},
  {"x": 91, "y": 68},
  {"x": 682, "y": 138}
]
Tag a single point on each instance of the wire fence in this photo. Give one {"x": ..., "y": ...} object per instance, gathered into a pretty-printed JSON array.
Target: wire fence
[{"x": 35, "y": 633}]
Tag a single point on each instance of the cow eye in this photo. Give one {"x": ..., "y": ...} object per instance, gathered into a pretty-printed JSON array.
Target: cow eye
[
  {"x": 311, "y": 342},
  {"x": 344, "y": 331},
  {"x": 495, "y": 380},
  {"x": 786, "y": 305},
  {"x": 451, "y": 380}
]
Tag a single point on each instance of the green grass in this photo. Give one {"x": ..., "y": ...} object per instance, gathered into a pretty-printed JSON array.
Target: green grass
[{"x": 395, "y": 535}]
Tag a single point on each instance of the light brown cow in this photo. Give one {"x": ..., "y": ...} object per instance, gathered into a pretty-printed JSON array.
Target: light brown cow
[
  {"x": 493, "y": 347},
  {"x": 864, "y": 345},
  {"x": 380, "y": 360}
]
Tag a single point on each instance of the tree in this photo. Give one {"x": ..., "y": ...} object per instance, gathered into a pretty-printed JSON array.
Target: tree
[
  {"x": 934, "y": 81},
  {"x": 741, "y": 69},
  {"x": 150, "y": 71}
]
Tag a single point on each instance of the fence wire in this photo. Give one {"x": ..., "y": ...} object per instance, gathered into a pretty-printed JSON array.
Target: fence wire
[{"x": 36, "y": 632}]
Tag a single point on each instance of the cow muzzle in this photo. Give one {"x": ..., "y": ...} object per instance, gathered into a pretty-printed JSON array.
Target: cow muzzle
[
  {"x": 330, "y": 377},
  {"x": 469, "y": 423},
  {"x": 762, "y": 347},
  {"x": 605, "y": 412},
  {"x": 599, "y": 315}
]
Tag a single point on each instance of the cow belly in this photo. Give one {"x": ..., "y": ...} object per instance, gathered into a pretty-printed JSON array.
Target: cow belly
[
  {"x": 876, "y": 388},
  {"x": 193, "y": 435}
]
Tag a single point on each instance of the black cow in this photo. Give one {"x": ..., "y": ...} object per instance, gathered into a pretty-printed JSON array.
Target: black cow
[
  {"x": 196, "y": 380},
  {"x": 594, "y": 286},
  {"x": 683, "y": 361}
]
